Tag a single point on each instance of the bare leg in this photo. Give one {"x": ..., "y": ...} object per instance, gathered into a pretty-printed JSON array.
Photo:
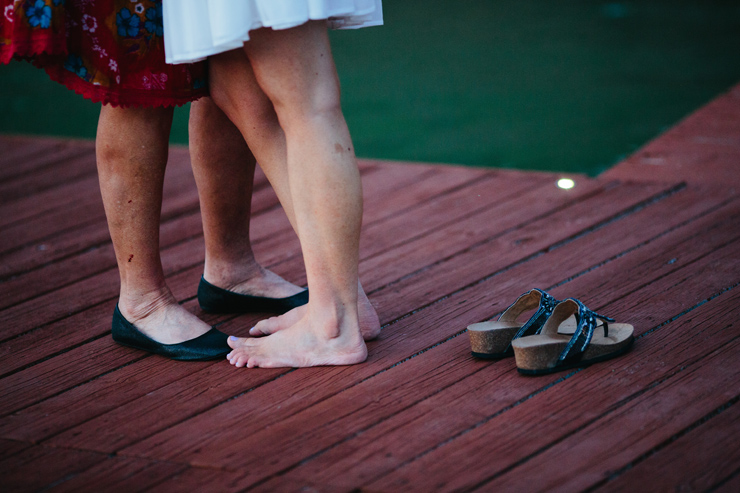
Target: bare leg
[
  {"x": 131, "y": 152},
  {"x": 224, "y": 171},
  {"x": 296, "y": 71},
  {"x": 236, "y": 90}
]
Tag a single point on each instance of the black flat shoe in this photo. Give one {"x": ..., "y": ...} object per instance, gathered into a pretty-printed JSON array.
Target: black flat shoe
[
  {"x": 213, "y": 299},
  {"x": 211, "y": 345}
]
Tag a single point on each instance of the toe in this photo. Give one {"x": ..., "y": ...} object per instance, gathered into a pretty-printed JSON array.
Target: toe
[
  {"x": 235, "y": 342},
  {"x": 263, "y": 328}
]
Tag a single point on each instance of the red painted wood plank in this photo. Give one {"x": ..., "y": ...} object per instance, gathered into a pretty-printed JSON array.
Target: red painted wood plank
[
  {"x": 122, "y": 425},
  {"x": 47, "y": 378},
  {"x": 712, "y": 452},
  {"x": 619, "y": 437},
  {"x": 63, "y": 302},
  {"x": 120, "y": 475},
  {"x": 45, "y": 341},
  {"x": 455, "y": 268},
  {"x": 203, "y": 479},
  {"x": 103, "y": 323},
  {"x": 42, "y": 202},
  {"x": 47, "y": 178},
  {"x": 410, "y": 333},
  {"x": 11, "y": 447},
  {"x": 37, "y": 467},
  {"x": 133, "y": 379},
  {"x": 23, "y": 155},
  {"x": 730, "y": 485}
]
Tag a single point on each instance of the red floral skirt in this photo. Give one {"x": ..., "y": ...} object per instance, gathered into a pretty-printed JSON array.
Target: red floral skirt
[{"x": 109, "y": 51}]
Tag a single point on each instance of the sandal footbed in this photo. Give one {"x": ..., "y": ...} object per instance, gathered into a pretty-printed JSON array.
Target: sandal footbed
[{"x": 539, "y": 354}]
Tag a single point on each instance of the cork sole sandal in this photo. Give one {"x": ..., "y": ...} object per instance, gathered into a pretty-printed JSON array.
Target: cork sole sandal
[
  {"x": 492, "y": 339},
  {"x": 550, "y": 352}
]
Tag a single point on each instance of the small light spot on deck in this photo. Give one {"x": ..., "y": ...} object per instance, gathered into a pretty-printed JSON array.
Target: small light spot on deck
[{"x": 566, "y": 183}]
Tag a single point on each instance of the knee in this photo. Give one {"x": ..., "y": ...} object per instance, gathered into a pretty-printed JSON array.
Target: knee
[
  {"x": 317, "y": 102},
  {"x": 132, "y": 135}
]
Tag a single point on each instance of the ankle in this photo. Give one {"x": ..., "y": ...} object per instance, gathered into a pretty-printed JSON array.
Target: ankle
[
  {"x": 333, "y": 322},
  {"x": 139, "y": 305},
  {"x": 228, "y": 275}
]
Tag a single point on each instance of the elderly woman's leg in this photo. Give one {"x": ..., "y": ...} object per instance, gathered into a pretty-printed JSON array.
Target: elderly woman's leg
[
  {"x": 131, "y": 151},
  {"x": 235, "y": 89},
  {"x": 295, "y": 69},
  {"x": 224, "y": 171}
]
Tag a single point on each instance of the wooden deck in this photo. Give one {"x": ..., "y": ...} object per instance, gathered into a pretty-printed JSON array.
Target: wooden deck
[{"x": 653, "y": 242}]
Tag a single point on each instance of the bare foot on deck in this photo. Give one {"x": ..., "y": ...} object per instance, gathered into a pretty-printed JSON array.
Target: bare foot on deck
[
  {"x": 300, "y": 345},
  {"x": 161, "y": 318},
  {"x": 369, "y": 322}
]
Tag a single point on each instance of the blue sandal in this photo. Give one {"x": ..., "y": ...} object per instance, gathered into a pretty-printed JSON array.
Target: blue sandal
[
  {"x": 550, "y": 350},
  {"x": 492, "y": 339}
]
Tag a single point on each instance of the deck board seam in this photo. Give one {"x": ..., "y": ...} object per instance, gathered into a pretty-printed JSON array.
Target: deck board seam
[
  {"x": 521, "y": 261},
  {"x": 668, "y": 231},
  {"x": 84, "y": 174},
  {"x": 619, "y": 216},
  {"x": 53, "y": 355},
  {"x": 469, "y": 214},
  {"x": 696, "y": 424},
  {"x": 693, "y": 261},
  {"x": 486, "y": 241},
  {"x": 367, "y": 427},
  {"x": 614, "y": 407},
  {"x": 724, "y": 481},
  {"x": 96, "y": 377}
]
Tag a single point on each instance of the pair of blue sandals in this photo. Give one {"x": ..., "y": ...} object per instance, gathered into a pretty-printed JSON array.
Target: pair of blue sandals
[
  {"x": 211, "y": 345},
  {"x": 559, "y": 335}
]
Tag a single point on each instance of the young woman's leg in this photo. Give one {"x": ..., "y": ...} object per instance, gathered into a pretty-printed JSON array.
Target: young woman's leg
[
  {"x": 295, "y": 69},
  {"x": 131, "y": 149},
  {"x": 235, "y": 89},
  {"x": 224, "y": 171}
]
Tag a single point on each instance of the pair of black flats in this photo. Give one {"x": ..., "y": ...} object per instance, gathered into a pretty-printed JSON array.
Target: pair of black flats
[{"x": 212, "y": 344}]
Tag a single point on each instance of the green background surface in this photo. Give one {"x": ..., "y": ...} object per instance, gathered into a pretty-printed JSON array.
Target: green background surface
[{"x": 553, "y": 85}]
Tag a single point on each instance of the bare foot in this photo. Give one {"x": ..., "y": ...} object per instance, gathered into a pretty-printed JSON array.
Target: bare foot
[
  {"x": 258, "y": 282},
  {"x": 162, "y": 319},
  {"x": 369, "y": 322},
  {"x": 300, "y": 345}
]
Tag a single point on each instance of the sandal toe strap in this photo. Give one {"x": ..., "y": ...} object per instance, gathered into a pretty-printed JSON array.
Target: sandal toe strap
[{"x": 586, "y": 324}]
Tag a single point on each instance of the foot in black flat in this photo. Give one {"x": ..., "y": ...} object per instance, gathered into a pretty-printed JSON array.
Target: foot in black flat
[
  {"x": 209, "y": 346},
  {"x": 213, "y": 299}
]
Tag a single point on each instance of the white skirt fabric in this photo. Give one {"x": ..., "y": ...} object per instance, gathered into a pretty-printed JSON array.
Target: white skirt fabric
[{"x": 196, "y": 29}]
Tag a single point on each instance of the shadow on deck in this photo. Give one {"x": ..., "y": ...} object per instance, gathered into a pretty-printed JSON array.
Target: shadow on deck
[{"x": 652, "y": 242}]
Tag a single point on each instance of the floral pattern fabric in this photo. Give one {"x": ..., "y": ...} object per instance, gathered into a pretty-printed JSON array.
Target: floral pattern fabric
[{"x": 110, "y": 51}]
